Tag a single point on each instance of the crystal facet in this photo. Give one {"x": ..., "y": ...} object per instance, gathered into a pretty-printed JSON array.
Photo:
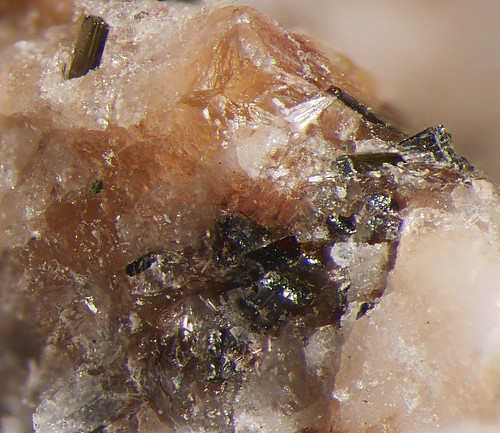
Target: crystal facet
[{"x": 89, "y": 46}]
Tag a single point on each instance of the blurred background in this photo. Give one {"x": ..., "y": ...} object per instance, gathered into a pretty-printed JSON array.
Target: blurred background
[{"x": 433, "y": 61}]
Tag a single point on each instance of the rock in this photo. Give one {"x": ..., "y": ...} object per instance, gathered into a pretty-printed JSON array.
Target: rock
[{"x": 211, "y": 227}]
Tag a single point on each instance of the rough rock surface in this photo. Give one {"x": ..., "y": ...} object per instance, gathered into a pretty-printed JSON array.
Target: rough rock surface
[{"x": 215, "y": 231}]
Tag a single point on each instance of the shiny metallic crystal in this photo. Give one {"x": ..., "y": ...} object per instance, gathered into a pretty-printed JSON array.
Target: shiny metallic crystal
[{"x": 89, "y": 47}]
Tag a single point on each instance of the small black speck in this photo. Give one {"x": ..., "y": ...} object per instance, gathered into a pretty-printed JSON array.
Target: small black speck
[
  {"x": 365, "y": 306},
  {"x": 141, "y": 264},
  {"x": 97, "y": 186}
]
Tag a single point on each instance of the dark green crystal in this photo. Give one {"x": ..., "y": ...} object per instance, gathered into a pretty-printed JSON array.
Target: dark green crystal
[
  {"x": 89, "y": 46},
  {"x": 97, "y": 186}
]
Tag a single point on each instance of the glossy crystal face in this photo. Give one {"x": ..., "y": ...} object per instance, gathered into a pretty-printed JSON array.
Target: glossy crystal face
[{"x": 254, "y": 296}]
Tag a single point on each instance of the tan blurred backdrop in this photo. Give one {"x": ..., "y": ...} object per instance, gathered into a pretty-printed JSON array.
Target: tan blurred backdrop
[{"x": 434, "y": 61}]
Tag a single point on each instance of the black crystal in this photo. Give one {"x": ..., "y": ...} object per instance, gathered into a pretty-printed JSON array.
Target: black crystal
[
  {"x": 234, "y": 236},
  {"x": 340, "y": 226},
  {"x": 141, "y": 264},
  {"x": 223, "y": 349},
  {"x": 280, "y": 254},
  {"x": 97, "y": 186},
  {"x": 366, "y": 112},
  {"x": 364, "y": 308},
  {"x": 89, "y": 47},
  {"x": 434, "y": 145},
  {"x": 382, "y": 218},
  {"x": 274, "y": 297},
  {"x": 348, "y": 165}
]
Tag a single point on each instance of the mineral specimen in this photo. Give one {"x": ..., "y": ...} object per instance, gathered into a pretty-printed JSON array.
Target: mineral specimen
[
  {"x": 89, "y": 47},
  {"x": 211, "y": 228}
]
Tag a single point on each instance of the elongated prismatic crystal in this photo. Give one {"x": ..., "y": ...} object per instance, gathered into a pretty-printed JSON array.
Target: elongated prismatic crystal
[{"x": 89, "y": 46}]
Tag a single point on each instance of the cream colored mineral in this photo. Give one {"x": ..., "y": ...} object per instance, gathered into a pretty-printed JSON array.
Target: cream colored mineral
[
  {"x": 214, "y": 231},
  {"x": 426, "y": 358}
]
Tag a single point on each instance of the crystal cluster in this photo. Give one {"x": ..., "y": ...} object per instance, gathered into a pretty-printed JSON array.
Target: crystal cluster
[{"x": 207, "y": 226}]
